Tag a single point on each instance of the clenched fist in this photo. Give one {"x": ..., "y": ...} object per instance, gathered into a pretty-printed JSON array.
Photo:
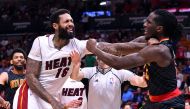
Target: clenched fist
[{"x": 91, "y": 45}]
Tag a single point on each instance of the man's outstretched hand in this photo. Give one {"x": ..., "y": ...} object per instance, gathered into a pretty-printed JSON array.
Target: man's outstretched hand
[{"x": 91, "y": 45}]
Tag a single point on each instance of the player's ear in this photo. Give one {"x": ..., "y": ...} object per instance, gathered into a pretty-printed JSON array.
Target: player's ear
[
  {"x": 159, "y": 29},
  {"x": 55, "y": 26},
  {"x": 24, "y": 61},
  {"x": 11, "y": 61}
]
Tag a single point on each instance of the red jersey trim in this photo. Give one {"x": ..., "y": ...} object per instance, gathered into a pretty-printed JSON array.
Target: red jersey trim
[{"x": 164, "y": 97}]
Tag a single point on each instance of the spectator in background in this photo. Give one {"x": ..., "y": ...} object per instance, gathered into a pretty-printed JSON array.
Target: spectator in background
[
  {"x": 138, "y": 97},
  {"x": 127, "y": 94},
  {"x": 187, "y": 54},
  {"x": 180, "y": 56},
  {"x": 180, "y": 77},
  {"x": 11, "y": 80},
  {"x": 187, "y": 105},
  {"x": 4, "y": 66},
  {"x": 4, "y": 42},
  {"x": 126, "y": 105},
  {"x": 90, "y": 60},
  {"x": 187, "y": 85},
  {"x": 186, "y": 69}
]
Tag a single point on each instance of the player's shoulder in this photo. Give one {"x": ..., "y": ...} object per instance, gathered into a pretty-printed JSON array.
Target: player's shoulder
[
  {"x": 120, "y": 72},
  {"x": 46, "y": 36},
  {"x": 78, "y": 40},
  {"x": 4, "y": 75},
  {"x": 45, "y": 39},
  {"x": 141, "y": 39},
  {"x": 88, "y": 69},
  {"x": 155, "y": 49},
  {"x": 157, "y": 53}
]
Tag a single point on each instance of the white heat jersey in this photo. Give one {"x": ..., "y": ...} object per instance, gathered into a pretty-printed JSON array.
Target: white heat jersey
[
  {"x": 73, "y": 90},
  {"x": 55, "y": 63},
  {"x": 105, "y": 89}
]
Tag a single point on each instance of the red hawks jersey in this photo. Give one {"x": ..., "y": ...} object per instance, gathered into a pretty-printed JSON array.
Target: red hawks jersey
[
  {"x": 55, "y": 62},
  {"x": 73, "y": 90}
]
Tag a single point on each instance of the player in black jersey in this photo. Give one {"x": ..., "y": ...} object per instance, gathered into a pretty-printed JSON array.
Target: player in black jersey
[
  {"x": 159, "y": 58},
  {"x": 11, "y": 80}
]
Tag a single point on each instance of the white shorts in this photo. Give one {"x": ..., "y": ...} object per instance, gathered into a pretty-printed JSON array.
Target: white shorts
[{"x": 25, "y": 99}]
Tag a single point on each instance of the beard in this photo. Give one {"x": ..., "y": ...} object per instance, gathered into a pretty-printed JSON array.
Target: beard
[
  {"x": 65, "y": 35},
  {"x": 19, "y": 67}
]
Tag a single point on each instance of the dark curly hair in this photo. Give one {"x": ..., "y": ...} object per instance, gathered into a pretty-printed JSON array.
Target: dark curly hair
[{"x": 172, "y": 28}]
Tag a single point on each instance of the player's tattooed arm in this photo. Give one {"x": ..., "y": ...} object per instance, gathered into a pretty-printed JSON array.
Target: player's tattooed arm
[
  {"x": 32, "y": 74},
  {"x": 121, "y": 48}
]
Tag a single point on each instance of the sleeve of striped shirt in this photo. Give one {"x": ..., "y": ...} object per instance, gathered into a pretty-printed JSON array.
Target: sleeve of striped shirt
[
  {"x": 87, "y": 72},
  {"x": 126, "y": 75}
]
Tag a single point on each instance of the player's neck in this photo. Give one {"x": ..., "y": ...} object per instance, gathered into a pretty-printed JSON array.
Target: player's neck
[
  {"x": 58, "y": 42},
  {"x": 104, "y": 69},
  {"x": 18, "y": 72},
  {"x": 104, "y": 66}
]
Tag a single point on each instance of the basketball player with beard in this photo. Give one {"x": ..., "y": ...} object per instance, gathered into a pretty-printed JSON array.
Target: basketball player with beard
[
  {"x": 159, "y": 59},
  {"x": 10, "y": 81},
  {"x": 48, "y": 66}
]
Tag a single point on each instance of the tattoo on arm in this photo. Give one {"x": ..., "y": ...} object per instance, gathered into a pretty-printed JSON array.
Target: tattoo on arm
[{"x": 32, "y": 73}]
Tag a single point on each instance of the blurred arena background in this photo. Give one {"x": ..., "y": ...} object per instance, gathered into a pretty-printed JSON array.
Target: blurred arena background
[{"x": 112, "y": 21}]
